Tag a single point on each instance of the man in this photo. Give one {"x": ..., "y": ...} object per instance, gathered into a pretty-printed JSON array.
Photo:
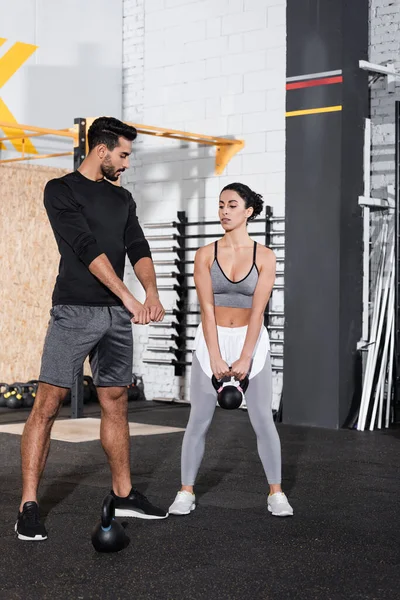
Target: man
[{"x": 95, "y": 226}]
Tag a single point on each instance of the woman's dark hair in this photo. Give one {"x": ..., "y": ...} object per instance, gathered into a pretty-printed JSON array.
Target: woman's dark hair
[
  {"x": 251, "y": 199},
  {"x": 107, "y": 130}
]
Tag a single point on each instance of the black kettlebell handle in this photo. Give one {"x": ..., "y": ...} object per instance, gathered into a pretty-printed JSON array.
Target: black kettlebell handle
[
  {"x": 244, "y": 383},
  {"x": 107, "y": 512}
]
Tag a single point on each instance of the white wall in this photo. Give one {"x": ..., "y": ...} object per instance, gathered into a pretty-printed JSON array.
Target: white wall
[
  {"x": 384, "y": 48},
  {"x": 76, "y": 69},
  {"x": 213, "y": 67}
]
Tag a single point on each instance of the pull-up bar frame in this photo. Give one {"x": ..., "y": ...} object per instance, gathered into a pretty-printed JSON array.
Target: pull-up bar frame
[{"x": 225, "y": 148}]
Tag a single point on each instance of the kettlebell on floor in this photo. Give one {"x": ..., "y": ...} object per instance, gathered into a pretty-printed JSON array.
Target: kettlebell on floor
[
  {"x": 13, "y": 396},
  {"x": 109, "y": 535}
]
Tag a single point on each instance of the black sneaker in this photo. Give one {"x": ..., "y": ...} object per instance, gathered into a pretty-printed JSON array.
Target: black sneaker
[
  {"x": 28, "y": 526},
  {"x": 137, "y": 505}
]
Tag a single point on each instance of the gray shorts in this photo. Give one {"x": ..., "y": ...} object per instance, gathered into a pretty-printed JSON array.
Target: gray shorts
[{"x": 104, "y": 333}]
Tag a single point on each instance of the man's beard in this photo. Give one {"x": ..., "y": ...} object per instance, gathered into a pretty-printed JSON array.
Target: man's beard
[{"x": 109, "y": 172}]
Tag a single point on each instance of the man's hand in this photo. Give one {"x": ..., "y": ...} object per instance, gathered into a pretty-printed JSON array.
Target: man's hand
[
  {"x": 240, "y": 368},
  {"x": 141, "y": 314},
  {"x": 155, "y": 308}
]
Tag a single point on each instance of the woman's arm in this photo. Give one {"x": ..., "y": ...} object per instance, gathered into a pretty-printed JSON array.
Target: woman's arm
[
  {"x": 262, "y": 293},
  {"x": 202, "y": 280}
]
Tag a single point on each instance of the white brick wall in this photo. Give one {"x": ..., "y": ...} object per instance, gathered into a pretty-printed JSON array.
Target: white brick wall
[
  {"x": 384, "y": 48},
  {"x": 212, "y": 67}
]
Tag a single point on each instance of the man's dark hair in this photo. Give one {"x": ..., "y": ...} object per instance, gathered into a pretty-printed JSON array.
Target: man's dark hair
[{"x": 107, "y": 130}]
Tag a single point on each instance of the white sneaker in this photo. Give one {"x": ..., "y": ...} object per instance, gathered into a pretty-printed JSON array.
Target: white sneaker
[
  {"x": 279, "y": 506},
  {"x": 183, "y": 504}
]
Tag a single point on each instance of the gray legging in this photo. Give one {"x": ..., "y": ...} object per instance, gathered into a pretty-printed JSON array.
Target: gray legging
[{"x": 203, "y": 402}]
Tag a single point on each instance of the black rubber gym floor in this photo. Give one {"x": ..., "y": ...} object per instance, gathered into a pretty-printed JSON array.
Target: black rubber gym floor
[{"x": 343, "y": 541}]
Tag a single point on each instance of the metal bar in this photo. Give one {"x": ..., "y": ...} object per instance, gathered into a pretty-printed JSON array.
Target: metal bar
[
  {"x": 42, "y": 130},
  {"x": 267, "y": 242},
  {"x": 217, "y": 234},
  {"x": 167, "y": 275},
  {"x": 366, "y": 230},
  {"x": 172, "y": 362},
  {"x": 160, "y": 238},
  {"x": 35, "y": 157},
  {"x": 160, "y": 349},
  {"x": 9, "y": 138},
  {"x": 197, "y": 223},
  {"x": 173, "y": 249},
  {"x": 175, "y": 262},
  {"x": 175, "y": 288},
  {"x": 381, "y": 69},
  {"x": 169, "y": 336},
  {"x": 174, "y": 311},
  {"x": 186, "y": 135},
  {"x": 396, "y": 387},
  {"x": 175, "y": 236},
  {"x": 159, "y": 225},
  {"x": 163, "y": 249},
  {"x": 80, "y": 141},
  {"x": 79, "y": 155},
  {"x": 165, "y": 361}
]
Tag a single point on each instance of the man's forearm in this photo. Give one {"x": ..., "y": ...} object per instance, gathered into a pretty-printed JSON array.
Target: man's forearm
[
  {"x": 144, "y": 270},
  {"x": 104, "y": 271}
]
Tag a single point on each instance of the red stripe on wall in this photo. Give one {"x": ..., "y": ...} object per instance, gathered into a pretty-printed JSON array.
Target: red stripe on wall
[{"x": 313, "y": 82}]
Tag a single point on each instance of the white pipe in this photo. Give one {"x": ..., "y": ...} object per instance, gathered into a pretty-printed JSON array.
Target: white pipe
[
  {"x": 368, "y": 376},
  {"x": 380, "y": 328},
  {"x": 375, "y": 68},
  {"x": 383, "y": 367},
  {"x": 390, "y": 334},
  {"x": 390, "y": 374},
  {"x": 366, "y": 230}
]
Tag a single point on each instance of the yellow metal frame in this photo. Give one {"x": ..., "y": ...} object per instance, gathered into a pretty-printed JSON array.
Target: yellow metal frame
[
  {"x": 225, "y": 148},
  {"x": 34, "y": 132}
]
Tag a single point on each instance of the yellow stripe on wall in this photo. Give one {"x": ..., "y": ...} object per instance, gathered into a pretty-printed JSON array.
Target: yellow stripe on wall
[
  {"x": 13, "y": 59},
  {"x": 314, "y": 111}
]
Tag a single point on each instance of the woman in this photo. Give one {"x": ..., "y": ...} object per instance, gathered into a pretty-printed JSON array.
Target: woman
[{"x": 234, "y": 279}]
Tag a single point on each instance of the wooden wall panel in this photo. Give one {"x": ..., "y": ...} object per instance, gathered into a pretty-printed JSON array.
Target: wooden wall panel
[{"x": 28, "y": 268}]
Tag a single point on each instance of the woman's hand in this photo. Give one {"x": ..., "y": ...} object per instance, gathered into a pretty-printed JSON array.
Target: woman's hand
[
  {"x": 219, "y": 368},
  {"x": 241, "y": 367}
]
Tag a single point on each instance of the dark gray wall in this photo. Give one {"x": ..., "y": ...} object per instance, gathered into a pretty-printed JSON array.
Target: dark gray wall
[{"x": 323, "y": 254}]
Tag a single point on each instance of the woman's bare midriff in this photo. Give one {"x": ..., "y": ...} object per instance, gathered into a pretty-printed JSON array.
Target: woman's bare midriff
[{"x": 226, "y": 316}]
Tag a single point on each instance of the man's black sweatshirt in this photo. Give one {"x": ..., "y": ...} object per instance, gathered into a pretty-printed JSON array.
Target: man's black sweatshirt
[{"x": 90, "y": 218}]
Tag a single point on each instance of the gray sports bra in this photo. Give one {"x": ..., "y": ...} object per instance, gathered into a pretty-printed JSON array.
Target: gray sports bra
[{"x": 235, "y": 294}]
